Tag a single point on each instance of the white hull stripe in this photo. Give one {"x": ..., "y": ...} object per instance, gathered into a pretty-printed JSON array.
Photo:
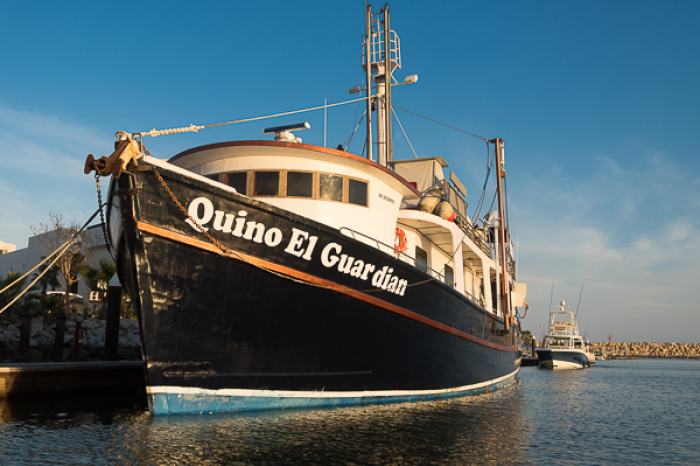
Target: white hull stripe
[
  {"x": 234, "y": 392},
  {"x": 566, "y": 365}
]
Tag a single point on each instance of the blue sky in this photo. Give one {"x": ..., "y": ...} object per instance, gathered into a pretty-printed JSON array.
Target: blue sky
[{"x": 597, "y": 102}]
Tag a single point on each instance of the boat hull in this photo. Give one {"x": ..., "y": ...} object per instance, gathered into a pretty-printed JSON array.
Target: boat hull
[
  {"x": 562, "y": 358},
  {"x": 189, "y": 400},
  {"x": 241, "y": 324}
]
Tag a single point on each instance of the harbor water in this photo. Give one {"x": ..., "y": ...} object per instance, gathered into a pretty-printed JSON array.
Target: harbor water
[{"x": 617, "y": 412}]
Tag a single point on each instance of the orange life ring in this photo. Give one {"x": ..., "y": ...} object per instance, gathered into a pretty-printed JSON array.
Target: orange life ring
[{"x": 400, "y": 238}]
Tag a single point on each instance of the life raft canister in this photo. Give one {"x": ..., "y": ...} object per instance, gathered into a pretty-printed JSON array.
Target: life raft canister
[
  {"x": 400, "y": 240},
  {"x": 445, "y": 210},
  {"x": 430, "y": 200}
]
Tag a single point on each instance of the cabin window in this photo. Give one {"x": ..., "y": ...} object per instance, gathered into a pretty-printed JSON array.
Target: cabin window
[
  {"x": 421, "y": 259},
  {"x": 300, "y": 184},
  {"x": 357, "y": 192},
  {"x": 449, "y": 275},
  {"x": 331, "y": 187},
  {"x": 266, "y": 184},
  {"x": 238, "y": 181}
]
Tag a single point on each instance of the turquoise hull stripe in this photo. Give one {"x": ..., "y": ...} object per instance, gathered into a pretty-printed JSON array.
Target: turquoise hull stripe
[{"x": 206, "y": 402}]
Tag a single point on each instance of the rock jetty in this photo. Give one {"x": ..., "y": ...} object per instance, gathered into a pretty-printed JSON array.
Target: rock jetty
[
  {"x": 647, "y": 350},
  {"x": 43, "y": 337}
]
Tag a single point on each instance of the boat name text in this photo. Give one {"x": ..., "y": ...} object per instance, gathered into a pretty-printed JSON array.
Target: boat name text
[{"x": 300, "y": 244}]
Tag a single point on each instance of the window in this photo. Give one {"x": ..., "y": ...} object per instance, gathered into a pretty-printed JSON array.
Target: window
[
  {"x": 357, "y": 191},
  {"x": 331, "y": 187},
  {"x": 267, "y": 184},
  {"x": 300, "y": 184},
  {"x": 238, "y": 181},
  {"x": 297, "y": 184},
  {"x": 421, "y": 259},
  {"x": 449, "y": 275}
]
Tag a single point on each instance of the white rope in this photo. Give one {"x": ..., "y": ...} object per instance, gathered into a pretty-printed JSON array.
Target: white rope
[
  {"x": 37, "y": 266},
  {"x": 195, "y": 128},
  {"x": 187, "y": 129},
  {"x": 69, "y": 242},
  {"x": 65, "y": 248}
]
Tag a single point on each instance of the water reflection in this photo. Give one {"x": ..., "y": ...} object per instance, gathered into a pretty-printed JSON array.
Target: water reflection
[{"x": 473, "y": 430}]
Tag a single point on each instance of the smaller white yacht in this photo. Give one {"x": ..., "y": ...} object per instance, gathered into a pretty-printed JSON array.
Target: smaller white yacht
[{"x": 563, "y": 347}]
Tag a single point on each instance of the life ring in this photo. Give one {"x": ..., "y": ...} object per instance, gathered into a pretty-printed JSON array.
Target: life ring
[{"x": 400, "y": 240}]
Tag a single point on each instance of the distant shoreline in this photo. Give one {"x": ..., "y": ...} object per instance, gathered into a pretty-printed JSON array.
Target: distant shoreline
[{"x": 648, "y": 349}]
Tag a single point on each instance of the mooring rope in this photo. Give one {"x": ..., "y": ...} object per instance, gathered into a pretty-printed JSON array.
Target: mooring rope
[
  {"x": 60, "y": 251},
  {"x": 23, "y": 292}
]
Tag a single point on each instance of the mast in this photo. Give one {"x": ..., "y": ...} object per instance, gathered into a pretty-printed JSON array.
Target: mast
[
  {"x": 505, "y": 283},
  {"x": 382, "y": 56},
  {"x": 368, "y": 74},
  {"x": 388, "y": 150}
]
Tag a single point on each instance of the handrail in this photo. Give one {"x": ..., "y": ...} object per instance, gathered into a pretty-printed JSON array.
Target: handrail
[{"x": 400, "y": 254}]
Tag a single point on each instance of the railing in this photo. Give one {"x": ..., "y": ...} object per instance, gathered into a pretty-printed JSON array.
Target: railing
[
  {"x": 390, "y": 250},
  {"x": 476, "y": 235}
]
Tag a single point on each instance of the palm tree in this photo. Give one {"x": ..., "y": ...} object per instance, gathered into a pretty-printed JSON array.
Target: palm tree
[
  {"x": 49, "y": 279},
  {"x": 25, "y": 307},
  {"x": 98, "y": 279},
  {"x": 16, "y": 285}
]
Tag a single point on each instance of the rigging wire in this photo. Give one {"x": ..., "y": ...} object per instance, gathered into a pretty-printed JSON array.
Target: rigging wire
[
  {"x": 196, "y": 128},
  {"x": 489, "y": 161},
  {"x": 404, "y": 132},
  {"x": 443, "y": 124},
  {"x": 482, "y": 198},
  {"x": 348, "y": 141},
  {"x": 505, "y": 203}
]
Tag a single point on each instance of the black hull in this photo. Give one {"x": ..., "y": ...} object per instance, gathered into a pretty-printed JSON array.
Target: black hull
[{"x": 274, "y": 319}]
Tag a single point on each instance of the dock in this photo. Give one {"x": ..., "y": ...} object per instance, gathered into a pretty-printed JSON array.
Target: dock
[{"x": 22, "y": 380}]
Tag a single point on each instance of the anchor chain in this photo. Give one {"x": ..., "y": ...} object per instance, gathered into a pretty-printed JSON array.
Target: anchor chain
[
  {"x": 102, "y": 216},
  {"x": 182, "y": 208}
]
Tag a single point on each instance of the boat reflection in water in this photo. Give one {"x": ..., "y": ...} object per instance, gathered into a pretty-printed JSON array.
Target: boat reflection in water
[{"x": 471, "y": 430}]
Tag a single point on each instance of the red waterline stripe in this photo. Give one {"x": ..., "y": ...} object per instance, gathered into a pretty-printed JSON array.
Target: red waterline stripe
[{"x": 154, "y": 230}]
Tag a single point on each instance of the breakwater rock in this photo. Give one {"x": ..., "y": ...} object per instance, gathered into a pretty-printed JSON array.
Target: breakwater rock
[
  {"x": 648, "y": 350},
  {"x": 43, "y": 337}
]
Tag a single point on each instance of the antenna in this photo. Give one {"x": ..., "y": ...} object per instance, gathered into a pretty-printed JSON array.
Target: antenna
[
  {"x": 551, "y": 297},
  {"x": 578, "y": 306},
  {"x": 283, "y": 133}
]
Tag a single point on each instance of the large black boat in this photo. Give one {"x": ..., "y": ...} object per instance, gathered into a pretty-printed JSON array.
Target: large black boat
[{"x": 276, "y": 274}]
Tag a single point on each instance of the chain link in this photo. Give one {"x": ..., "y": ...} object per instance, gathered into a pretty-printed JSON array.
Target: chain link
[
  {"x": 102, "y": 215},
  {"x": 182, "y": 208}
]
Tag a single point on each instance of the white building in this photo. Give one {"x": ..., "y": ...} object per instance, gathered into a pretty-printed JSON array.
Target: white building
[
  {"x": 6, "y": 248},
  {"x": 23, "y": 260}
]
